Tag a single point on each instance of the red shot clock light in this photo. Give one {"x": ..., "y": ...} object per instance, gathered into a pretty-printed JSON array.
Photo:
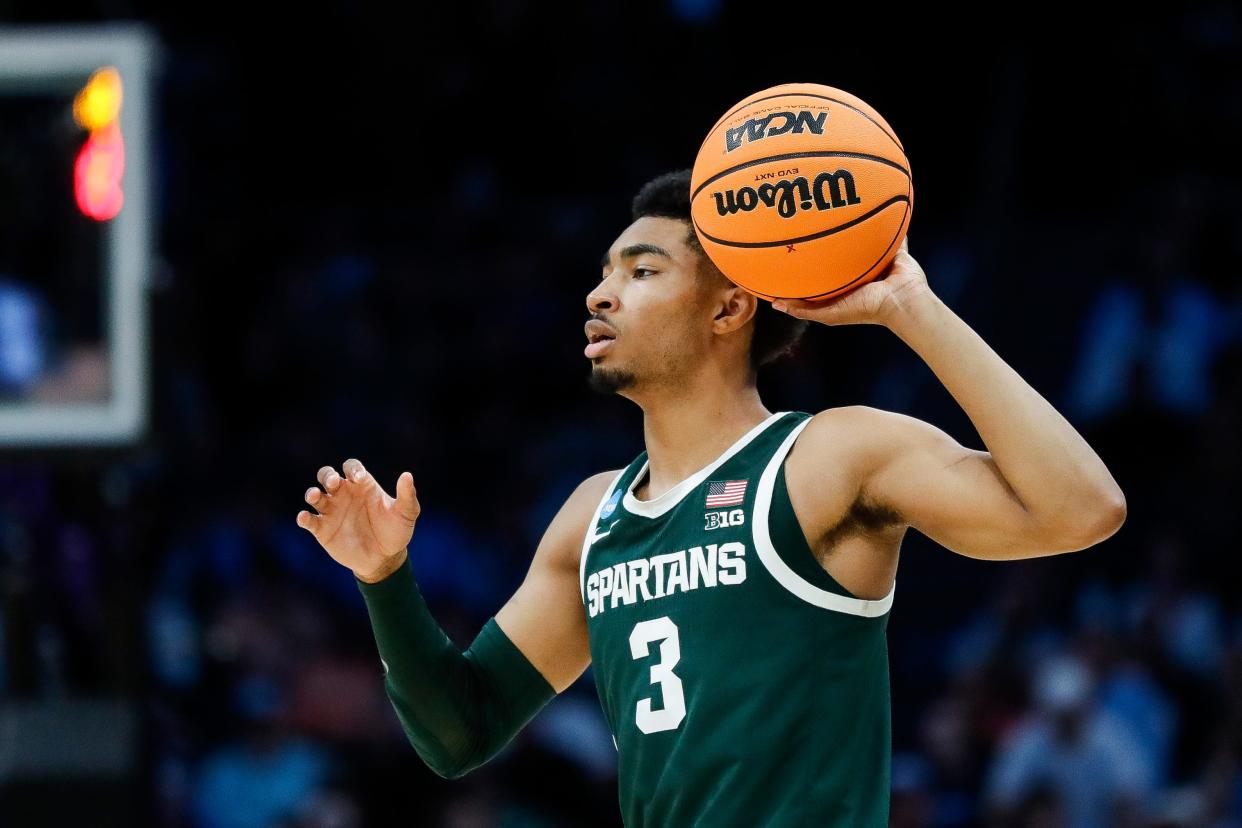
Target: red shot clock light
[
  {"x": 100, "y": 163},
  {"x": 97, "y": 174}
]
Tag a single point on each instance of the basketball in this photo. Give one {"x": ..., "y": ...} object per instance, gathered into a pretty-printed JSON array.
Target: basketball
[{"x": 801, "y": 191}]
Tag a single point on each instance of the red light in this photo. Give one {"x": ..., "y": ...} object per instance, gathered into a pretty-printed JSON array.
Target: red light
[{"x": 97, "y": 174}]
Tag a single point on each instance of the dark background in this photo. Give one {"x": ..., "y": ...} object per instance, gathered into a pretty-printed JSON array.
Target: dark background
[{"x": 376, "y": 233}]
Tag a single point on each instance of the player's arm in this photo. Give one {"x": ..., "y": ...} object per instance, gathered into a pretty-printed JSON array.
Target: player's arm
[
  {"x": 914, "y": 474},
  {"x": 1037, "y": 489},
  {"x": 544, "y": 617},
  {"x": 458, "y": 709}
]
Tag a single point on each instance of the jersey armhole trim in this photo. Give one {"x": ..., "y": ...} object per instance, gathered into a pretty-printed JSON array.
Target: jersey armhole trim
[
  {"x": 776, "y": 565},
  {"x": 589, "y": 537}
]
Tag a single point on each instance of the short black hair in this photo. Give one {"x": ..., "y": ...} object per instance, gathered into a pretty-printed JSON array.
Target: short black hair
[{"x": 668, "y": 196}]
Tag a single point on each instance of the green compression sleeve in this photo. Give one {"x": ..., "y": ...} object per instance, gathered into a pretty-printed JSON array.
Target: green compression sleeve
[{"x": 458, "y": 709}]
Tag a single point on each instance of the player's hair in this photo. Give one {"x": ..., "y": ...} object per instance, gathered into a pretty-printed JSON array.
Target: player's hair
[{"x": 668, "y": 196}]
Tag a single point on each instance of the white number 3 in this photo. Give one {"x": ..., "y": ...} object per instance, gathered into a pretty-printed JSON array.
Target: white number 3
[{"x": 668, "y": 717}]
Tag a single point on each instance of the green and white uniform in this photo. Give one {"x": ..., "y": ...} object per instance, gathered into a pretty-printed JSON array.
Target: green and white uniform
[{"x": 743, "y": 685}]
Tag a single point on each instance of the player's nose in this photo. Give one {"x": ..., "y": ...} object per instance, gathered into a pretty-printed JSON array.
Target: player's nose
[{"x": 600, "y": 299}]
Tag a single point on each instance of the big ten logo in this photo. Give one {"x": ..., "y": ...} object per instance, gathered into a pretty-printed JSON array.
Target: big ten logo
[{"x": 731, "y": 517}]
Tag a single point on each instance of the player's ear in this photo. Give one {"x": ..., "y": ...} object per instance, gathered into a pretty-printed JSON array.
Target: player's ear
[{"x": 736, "y": 307}]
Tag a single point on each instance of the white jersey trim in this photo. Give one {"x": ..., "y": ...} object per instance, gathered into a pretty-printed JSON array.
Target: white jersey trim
[
  {"x": 659, "y": 505},
  {"x": 590, "y": 537},
  {"x": 776, "y": 565}
]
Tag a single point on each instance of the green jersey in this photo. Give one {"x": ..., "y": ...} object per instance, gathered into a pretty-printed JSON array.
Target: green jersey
[{"x": 743, "y": 685}]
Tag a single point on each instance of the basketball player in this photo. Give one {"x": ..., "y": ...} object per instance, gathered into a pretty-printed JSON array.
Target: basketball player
[{"x": 732, "y": 584}]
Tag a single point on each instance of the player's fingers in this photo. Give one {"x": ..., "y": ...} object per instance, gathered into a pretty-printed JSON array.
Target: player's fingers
[
  {"x": 321, "y": 501},
  {"x": 407, "y": 502},
  {"x": 309, "y": 522},
  {"x": 328, "y": 478},
  {"x": 354, "y": 470}
]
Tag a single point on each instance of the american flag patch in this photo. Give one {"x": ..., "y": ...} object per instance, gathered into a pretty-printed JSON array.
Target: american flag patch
[{"x": 725, "y": 493}]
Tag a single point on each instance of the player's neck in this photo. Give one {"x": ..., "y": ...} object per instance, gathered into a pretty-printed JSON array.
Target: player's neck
[{"x": 682, "y": 437}]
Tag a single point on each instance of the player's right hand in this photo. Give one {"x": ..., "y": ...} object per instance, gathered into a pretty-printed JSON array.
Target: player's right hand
[{"x": 359, "y": 525}]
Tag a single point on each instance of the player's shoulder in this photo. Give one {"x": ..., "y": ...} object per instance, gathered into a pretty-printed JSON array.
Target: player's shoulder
[
  {"x": 600, "y": 480},
  {"x": 850, "y": 440},
  {"x": 847, "y": 414},
  {"x": 567, "y": 532},
  {"x": 834, "y": 429},
  {"x": 592, "y": 490},
  {"x": 845, "y": 438},
  {"x": 852, "y": 427}
]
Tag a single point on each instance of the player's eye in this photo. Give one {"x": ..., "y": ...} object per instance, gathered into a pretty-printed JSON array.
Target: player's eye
[{"x": 645, "y": 271}]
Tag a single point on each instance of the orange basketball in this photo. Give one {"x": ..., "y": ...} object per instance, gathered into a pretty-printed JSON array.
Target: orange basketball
[{"x": 801, "y": 191}]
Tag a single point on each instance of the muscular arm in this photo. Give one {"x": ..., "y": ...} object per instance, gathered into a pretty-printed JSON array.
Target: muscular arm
[
  {"x": 908, "y": 472},
  {"x": 1038, "y": 478},
  {"x": 1037, "y": 489}
]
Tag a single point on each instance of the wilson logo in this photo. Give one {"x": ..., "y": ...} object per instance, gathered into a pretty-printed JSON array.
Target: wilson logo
[
  {"x": 778, "y": 123},
  {"x": 828, "y": 190}
]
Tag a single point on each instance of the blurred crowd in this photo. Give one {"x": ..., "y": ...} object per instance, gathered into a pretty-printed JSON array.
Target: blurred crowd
[{"x": 314, "y": 301}]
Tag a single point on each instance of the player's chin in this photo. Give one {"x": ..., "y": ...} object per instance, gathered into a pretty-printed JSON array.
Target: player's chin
[{"x": 606, "y": 377}]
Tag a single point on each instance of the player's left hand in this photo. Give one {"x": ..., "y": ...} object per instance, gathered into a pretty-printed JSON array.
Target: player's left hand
[{"x": 872, "y": 304}]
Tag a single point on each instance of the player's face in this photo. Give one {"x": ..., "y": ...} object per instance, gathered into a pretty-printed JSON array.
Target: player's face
[{"x": 649, "y": 296}]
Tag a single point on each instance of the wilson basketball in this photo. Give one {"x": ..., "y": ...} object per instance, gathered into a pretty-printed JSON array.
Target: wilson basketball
[{"x": 801, "y": 191}]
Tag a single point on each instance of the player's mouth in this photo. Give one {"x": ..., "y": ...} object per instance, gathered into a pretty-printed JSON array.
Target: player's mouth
[
  {"x": 598, "y": 346},
  {"x": 600, "y": 337}
]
